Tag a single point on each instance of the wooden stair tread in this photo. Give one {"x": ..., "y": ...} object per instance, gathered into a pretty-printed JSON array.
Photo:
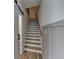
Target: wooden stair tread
[
  {"x": 33, "y": 37},
  {"x": 32, "y": 32},
  {"x": 33, "y": 45},
  {"x": 33, "y": 50},
  {"x": 33, "y": 41}
]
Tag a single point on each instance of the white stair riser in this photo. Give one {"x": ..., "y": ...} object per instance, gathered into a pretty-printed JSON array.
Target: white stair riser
[
  {"x": 33, "y": 38},
  {"x": 33, "y": 45},
  {"x": 32, "y": 35}
]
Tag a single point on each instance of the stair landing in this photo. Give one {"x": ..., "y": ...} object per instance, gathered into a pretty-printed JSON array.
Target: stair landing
[{"x": 30, "y": 55}]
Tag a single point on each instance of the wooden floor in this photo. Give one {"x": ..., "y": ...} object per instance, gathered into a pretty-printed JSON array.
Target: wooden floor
[{"x": 30, "y": 55}]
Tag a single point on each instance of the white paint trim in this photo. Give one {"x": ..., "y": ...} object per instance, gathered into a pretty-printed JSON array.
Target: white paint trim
[
  {"x": 20, "y": 31},
  {"x": 54, "y": 21}
]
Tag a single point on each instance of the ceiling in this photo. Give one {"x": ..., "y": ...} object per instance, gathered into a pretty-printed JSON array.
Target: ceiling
[{"x": 30, "y": 3}]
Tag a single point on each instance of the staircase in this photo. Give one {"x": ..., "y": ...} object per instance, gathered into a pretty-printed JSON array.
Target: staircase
[{"x": 33, "y": 38}]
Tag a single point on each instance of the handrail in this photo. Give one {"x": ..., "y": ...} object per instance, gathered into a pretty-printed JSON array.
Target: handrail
[{"x": 18, "y": 6}]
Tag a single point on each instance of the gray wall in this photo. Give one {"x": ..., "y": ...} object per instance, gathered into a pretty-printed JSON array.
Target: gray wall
[
  {"x": 51, "y": 11},
  {"x": 15, "y": 32},
  {"x": 24, "y": 25},
  {"x": 53, "y": 40},
  {"x": 24, "y": 21}
]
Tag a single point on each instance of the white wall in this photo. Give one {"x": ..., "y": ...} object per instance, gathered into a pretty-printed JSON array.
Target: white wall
[
  {"x": 53, "y": 41},
  {"x": 30, "y": 3},
  {"x": 51, "y": 11}
]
